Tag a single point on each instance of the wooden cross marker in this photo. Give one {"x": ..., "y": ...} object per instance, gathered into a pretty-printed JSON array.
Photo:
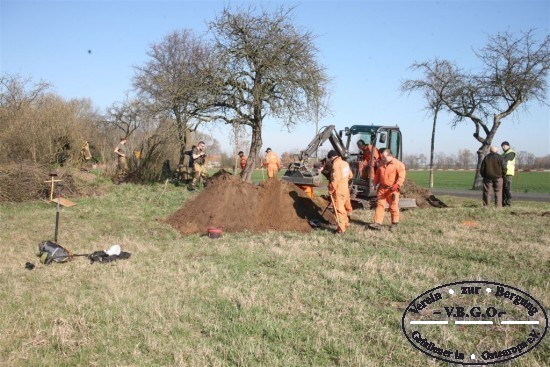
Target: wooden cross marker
[{"x": 62, "y": 201}]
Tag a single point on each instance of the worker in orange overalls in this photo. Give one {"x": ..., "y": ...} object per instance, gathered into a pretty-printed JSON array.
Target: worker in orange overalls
[
  {"x": 389, "y": 177},
  {"x": 317, "y": 167},
  {"x": 338, "y": 189},
  {"x": 243, "y": 161},
  {"x": 272, "y": 163},
  {"x": 366, "y": 151}
]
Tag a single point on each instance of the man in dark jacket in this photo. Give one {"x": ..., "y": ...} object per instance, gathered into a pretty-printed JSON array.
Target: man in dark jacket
[{"x": 492, "y": 170}]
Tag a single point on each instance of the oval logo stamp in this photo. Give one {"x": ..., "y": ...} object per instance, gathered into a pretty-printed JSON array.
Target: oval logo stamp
[{"x": 475, "y": 323}]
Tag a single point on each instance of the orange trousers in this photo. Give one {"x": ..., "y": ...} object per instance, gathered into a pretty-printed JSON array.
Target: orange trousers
[
  {"x": 341, "y": 205},
  {"x": 385, "y": 195},
  {"x": 272, "y": 170}
]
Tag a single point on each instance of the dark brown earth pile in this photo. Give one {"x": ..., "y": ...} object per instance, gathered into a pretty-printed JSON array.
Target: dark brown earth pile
[
  {"x": 424, "y": 197},
  {"x": 236, "y": 206}
]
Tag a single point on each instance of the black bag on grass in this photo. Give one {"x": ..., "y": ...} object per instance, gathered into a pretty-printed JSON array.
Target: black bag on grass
[{"x": 49, "y": 251}]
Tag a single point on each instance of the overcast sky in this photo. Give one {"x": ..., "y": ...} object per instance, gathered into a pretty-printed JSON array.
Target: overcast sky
[{"x": 366, "y": 46}]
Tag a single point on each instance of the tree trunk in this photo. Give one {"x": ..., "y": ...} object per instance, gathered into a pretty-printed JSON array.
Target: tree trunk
[
  {"x": 181, "y": 128},
  {"x": 254, "y": 153},
  {"x": 481, "y": 153},
  {"x": 256, "y": 140},
  {"x": 484, "y": 149},
  {"x": 236, "y": 131},
  {"x": 432, "y": 148}
]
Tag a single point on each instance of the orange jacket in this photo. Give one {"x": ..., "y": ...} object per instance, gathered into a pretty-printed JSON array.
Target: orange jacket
[
  {"x": 367, "y": 149},
  {"x": 243, "y": 162},
  {"x": 340, "y": 174},
  {"x": 272, "y": 158},
  {"x": 390, "y": 173}
]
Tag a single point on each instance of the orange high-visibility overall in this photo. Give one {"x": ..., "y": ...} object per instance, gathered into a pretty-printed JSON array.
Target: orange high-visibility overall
[
  {"x": 243, "y": 162},
  {"x": 388, "y": 175},
  {"x": 339, "y": 190},
  {"x": 272, "y": 163},
  {"x": 364, "y": 170},
  {"x": 308, "y": 190}
]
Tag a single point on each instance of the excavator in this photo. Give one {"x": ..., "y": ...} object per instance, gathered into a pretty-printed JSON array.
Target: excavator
[{"x": 362, "y": 190}]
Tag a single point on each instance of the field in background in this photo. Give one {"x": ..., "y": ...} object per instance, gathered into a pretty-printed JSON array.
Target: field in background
[
  {"x": 534, "y": 182},
  {"x": 275, "y": 299}
]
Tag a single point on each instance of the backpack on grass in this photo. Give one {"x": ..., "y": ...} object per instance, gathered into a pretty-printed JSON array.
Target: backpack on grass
[{"x": 49, "y": 251}]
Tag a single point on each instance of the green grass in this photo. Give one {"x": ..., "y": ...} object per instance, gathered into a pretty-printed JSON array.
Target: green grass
[
  {"x": 523, "y": 182},
  {"x": 536, "y": 182},
  {"x": 275, "y": 299}
]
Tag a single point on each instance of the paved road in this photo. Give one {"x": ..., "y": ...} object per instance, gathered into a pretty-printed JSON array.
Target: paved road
[{"x": 477, "y": 195}]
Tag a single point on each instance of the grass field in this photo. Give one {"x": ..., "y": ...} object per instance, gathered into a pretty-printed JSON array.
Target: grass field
[
  {"x": 535, "y": 182},
  {"x": 275, "y": 299}
]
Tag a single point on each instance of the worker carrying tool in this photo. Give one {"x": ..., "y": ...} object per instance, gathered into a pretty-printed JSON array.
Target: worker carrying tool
[
  {"x": 272, "y": 163},
  {"x": 198, "y": 156},
  {"x": 338, "y": 189},
  {"x": 366, "y": 151},
  {"x": 243, "y": 161},
  {"x": 389, "y": 177}
]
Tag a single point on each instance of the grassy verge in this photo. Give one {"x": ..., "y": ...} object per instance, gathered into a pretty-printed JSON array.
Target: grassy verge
[{"x": 275, "y": 299}]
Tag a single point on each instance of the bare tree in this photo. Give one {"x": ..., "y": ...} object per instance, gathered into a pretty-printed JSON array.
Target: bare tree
[
  {"x": 269, "y": 67},
  {"x": 433, "y": 85},
  {"x": 127, "y": 116},
  {"x": 16, "y": 91},
  {"x": 464, "y": 158},
  {"x": 174, "y": 82},
  {"x": 516, "y": 72},
  {"x": 422, "y": 160}
]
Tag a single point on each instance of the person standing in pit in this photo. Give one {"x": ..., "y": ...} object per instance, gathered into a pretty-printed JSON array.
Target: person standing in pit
[
  {"x": 272, "y": 163},
  {"x": 243, "y": 161}
]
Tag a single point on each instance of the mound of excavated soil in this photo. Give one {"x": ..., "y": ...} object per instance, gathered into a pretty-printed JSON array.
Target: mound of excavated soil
[
  {"x": 236, "y": 206},
  {"x": 424, "y": 197}
]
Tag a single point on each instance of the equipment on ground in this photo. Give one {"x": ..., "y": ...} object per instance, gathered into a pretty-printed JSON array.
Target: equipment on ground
[
  {"x": 362, "y": 190},
  {"x": 49, "y": 252}
]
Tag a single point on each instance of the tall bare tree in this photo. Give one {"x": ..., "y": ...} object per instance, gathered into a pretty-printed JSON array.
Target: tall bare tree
[
  {"x": 174, "y": 81},
  {"x": 434, "y": 84},
  {"x": 515, "y": 72},
  {"x": 268, "y": 68},
  {"x": 127, "y": 116}
]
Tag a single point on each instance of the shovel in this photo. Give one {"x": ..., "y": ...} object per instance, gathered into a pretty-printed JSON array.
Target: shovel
[{"x": 335, "y": 212}]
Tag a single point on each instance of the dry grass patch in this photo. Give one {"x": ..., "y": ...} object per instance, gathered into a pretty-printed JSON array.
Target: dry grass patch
[{"x": 273, "y": 299}]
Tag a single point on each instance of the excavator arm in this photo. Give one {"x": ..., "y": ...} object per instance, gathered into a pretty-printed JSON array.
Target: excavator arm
[
  {"x": 326, "y": 133},
  {"x": 299, "y": 172}
]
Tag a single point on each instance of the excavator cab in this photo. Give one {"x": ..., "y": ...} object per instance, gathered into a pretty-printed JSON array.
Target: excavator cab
[{"x": 372, "y": 138}]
